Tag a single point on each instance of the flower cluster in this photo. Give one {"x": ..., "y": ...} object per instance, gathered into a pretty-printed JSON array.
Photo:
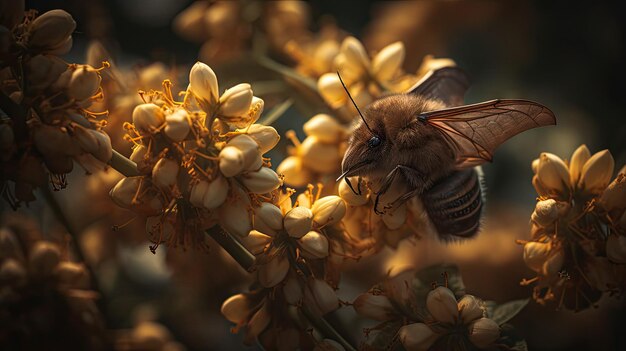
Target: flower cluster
[
  {"x": 41, "y": 288},
  {"x": 299, "y": 251},
  {"x": 197, "y": 169},
  {"x": 225, "y": 27},
  {"x": 318, "y": 157},
  {"x": 578, "y": 235},
  {"x": 367, "y": 79},
  {"x": 374, "y": 231},
  {"x": 424, "y": 317},
  {"x": 45, "y": 121}
]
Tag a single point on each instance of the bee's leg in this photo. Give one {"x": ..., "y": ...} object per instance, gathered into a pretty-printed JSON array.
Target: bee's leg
[
  {"x": 409, "y": 173},
  {"x": 384, "y": 186}
]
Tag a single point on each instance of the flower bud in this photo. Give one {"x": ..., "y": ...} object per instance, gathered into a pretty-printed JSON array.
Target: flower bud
[
  {"x": 268, "y": 218},
  {"x": 576, "y": 163},
  {"x": 124, "y": 191},
  {"x": 394, "y": 220},
  {"x": 44, "y": 70},
  {"x": 44, "y": 257},
  {"x": 442, "y": 304},
  {"x": 256, "y": 242},
  {"x": 234, "y": 217},
  {"x": 596, "y": 173},
  {"x": 62, "y": 48},
  {"x": 177, "y": 125},
  {"x": 148, "y": 117},
  {"x": 616, "y": 248},
  {"x": 256, "y": 109},
  {"x": 189, "y": 24},
  {"x": 545, "y": 213},
  {"x": 203, "y": 82},
  {"x": 150, "y": 336},
  {"x": 197, "y": 193},
  {"x": 536, "y": 254},
  {"x": 262, "y": 181},
  {"x": 388, "y": 61},
  {"x": 417, "y": 337},
  {"x": 250, "y": 149},
  {"x": 470, "y": 308},
  {"x": 613, "y": 199},
  {"x": 298, "y": 221},
  {"x": 84, "y": 83},
  {"x": 483, "y": 332},
  {"x": 236, "y": 101},
  {"x": 231, "y": 161},
  {"x": 259, "y": 321},
  {"x": 165, "y": 173},
  {"x": 320, "y": 297},
  {"x": 320, "y": 157},
  {"x": 376, "y": 307},
  {"x": 274, "y": 271},
  {"x": 535, "y": 165},
  {"x": 553, "y": 173},
  {"x": 9, "y": 245},
  {"x": 554, "y": 263},
  {"x": 236, "y": 308},
  {"x": 72, "y": 275},
  {"x": 292, "y": 290},
  {"x": 349, "y": 196},
  {"x": 325, "y": 128},
  {"x": 431, "y": 63},
  {"x": 50, "y": 30},
  {"x": 313, "y": 245},
  {"x": 296, "y": 175},
  {"x": 216, "y": 193},
  {"x": 356, "y": 58},
  {"x": 266, "y": 137},
  {"x": 12, "y": 273},
  {"x": 328, "y": 210},
  {"x": 331, "y": 89}
]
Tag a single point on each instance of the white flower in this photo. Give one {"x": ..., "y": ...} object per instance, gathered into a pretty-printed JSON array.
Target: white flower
[
  {"x": 203, "y": 82},
  {"x": 236, "y": 101},
  {"x": 376, "y": 307},
  {"x": 442, "y": 304},
  {"x": 328, "y": 210},
  {"x": 597, "y": 172}
]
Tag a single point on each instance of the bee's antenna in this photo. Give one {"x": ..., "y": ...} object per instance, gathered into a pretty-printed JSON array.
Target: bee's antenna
[{"x": 354, "y": 103}]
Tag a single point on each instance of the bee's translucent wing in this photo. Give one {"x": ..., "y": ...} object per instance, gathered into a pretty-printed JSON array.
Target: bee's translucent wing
[
  {"x": 447, "y": 84},
  {"x": 475, "y": 131}
]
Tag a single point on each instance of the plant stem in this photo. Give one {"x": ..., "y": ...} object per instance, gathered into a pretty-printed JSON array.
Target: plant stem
[
  {"x": 73, "y": 232},
  {"x": 234, "y": 248},
  {"x": 326, "y": 329},
  {"x": 123, "y": 165},
  {"x": 238, "y": 252}
]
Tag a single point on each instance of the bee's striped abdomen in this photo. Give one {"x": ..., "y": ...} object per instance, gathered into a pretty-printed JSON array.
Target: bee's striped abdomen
[{"x": 454, "y": 204}]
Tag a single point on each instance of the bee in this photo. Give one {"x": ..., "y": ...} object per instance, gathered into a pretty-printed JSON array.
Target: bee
[{"x": 435, "y": 143}]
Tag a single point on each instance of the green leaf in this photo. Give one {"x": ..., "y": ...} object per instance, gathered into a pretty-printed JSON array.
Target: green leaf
[{"x": 506, "y": 311}]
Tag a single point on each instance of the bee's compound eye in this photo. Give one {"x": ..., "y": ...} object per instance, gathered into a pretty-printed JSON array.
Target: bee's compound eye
[{"x": 374, "y": 141}]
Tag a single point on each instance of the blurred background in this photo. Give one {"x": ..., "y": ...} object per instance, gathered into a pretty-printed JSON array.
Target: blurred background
[{"x": 568, "y": 56}]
